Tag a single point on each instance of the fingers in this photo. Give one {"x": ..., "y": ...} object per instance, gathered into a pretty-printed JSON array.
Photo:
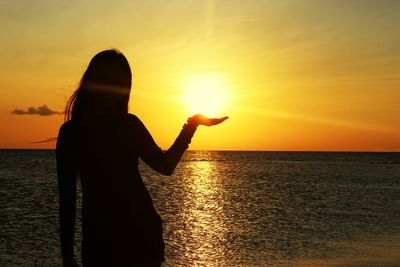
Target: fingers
[
  {"x": 200, "y": 119},
  {"x": 224, "y": 118},
  {"x": 215, "y": 121}
]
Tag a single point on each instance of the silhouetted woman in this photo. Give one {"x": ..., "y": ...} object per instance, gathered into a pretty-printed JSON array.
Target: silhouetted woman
[{"x": 102, "y": 143}]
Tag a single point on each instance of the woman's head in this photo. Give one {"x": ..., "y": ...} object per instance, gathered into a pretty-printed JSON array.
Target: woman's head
[{"x": 104, "y": 87}]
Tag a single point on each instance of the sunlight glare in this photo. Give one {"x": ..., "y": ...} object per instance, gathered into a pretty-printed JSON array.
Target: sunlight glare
[{"x": 205, "y": 94}]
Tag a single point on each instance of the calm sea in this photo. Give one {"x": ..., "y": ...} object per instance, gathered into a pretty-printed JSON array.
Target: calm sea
[{"x": 230, "y": 209}]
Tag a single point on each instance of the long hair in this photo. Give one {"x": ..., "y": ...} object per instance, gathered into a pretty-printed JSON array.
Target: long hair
[{"x": 104, "y": 88}]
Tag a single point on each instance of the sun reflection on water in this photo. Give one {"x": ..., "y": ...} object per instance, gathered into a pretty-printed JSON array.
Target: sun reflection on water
[{"x": 204, "y": 213}]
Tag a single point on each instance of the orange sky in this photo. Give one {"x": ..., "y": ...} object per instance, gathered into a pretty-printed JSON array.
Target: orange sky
[{"x": 299, "y": 75}]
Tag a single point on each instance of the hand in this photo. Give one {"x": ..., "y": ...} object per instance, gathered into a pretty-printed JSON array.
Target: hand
[{"x": 200, "y": 119}]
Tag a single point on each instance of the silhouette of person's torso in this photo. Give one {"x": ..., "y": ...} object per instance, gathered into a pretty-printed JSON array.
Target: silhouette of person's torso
[{"x": 119, "y": 222}]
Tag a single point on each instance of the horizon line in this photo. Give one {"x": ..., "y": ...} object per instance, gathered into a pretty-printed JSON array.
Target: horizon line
[{"x": 250, "y": 150}]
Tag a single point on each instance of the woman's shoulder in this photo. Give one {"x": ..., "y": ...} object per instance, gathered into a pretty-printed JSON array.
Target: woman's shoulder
[
  {"x": 136, "y": 124},
  {"x": 66, "y": 125},
  {"x": 134, "y": 119},
  {"x": 130, "y": 119},
  {"x": 67, "y": 129}
]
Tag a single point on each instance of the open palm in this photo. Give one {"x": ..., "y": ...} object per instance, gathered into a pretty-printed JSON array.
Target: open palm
[{"x": 200, "y": 119}]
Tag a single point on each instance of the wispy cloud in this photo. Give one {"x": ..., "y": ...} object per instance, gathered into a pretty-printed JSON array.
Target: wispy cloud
[
  {"x": 41, "y": 111},
  {"x": 52, "y": 139}
]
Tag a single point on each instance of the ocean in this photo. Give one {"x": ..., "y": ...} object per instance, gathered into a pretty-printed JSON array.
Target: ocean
[{"x": 226, "y": 208}]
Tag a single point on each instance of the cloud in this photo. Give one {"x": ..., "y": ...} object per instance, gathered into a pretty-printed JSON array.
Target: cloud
[
  {"x": 41, "y": 111},
  {"x": 52, "y": 139}
]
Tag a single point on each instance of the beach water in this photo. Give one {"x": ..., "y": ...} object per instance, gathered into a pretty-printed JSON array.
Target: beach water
[{"x": 230, "y": 209}]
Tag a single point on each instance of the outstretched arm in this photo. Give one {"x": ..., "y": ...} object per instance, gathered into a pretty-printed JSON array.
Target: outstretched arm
[
  {"x": 165, "y": 163},
  {"x": 66, "y": 172}
]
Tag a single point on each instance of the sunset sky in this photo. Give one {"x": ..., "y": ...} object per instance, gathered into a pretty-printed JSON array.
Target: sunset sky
[{"x": 309, "y": 75}]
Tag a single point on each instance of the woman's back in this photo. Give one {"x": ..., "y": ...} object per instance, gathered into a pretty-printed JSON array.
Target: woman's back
[{"x": 118, "y": 217}]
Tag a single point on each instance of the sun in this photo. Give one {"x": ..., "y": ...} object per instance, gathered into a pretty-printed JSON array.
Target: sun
[{"x": 205, "y": 94}]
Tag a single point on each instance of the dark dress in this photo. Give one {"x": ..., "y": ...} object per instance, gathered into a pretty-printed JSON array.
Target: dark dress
[{"x": 120, "y": 225}]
